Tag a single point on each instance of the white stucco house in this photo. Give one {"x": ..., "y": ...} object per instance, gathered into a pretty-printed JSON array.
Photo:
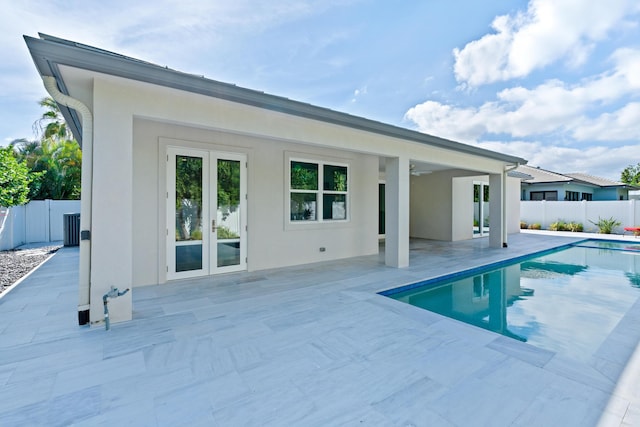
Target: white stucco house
[{"x": 184, "y": 176}]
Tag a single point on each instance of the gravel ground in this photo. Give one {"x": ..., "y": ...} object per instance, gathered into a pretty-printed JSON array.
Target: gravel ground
[{"x": 16, "y": 263}]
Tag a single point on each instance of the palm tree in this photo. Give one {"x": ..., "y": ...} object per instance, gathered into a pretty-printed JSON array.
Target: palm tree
[
  {"x": 54, "y": 161},
  {"x": 52, "y": 124}
]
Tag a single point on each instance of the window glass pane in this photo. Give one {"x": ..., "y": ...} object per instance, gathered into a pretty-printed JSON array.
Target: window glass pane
[
  {"x": 551, "y": 195},
  {"x": 304, "y": 176},
  {"x": 335, "y": 178},
  {"x": 334, "y": 206},
  {"x": 303, "y": 207}
]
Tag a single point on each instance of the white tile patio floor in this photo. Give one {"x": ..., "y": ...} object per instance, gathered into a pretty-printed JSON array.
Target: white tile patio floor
[{"x": 304, "y": 346}]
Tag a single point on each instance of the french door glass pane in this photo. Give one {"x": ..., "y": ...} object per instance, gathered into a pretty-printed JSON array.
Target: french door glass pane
[
  {"x": 188, "y": 219},
  {"x": 189, "y": 257},
  {"x": 228, "y": 213}
]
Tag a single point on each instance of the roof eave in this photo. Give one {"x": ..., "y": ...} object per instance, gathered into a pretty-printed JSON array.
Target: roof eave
[{"x": 49, "y": 52}]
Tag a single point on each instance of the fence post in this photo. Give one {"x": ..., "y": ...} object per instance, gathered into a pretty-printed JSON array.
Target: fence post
[{"x": 47, "y": 222}]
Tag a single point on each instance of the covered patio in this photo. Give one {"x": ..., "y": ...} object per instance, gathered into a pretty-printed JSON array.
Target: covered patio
[{"x": 307, "y": 346}]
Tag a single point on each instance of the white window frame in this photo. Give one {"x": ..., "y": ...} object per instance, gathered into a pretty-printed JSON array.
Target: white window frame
[{"x": 320, "y": 192}]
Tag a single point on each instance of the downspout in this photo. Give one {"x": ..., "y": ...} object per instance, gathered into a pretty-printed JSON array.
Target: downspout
[
  {"x": 85, "y": 199},
  {"x": 505, "y": 231}
]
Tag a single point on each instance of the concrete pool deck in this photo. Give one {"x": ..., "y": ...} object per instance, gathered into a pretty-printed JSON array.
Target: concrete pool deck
[{"x": 302, "y": 346}]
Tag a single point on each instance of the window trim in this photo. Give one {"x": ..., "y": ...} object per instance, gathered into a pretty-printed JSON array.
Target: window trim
[
  {"x": 544, "y": 195},
  {"x": 320, "y": 192}
]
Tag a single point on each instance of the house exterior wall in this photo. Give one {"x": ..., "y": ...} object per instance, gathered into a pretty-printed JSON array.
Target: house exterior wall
[
  {"x": 127, "y": 248},
  {"x": 599, "y": 194},
  {"x": 462, "y": 208},
  {"x": 451, "y": 217},
  {"x": 272, "y": 240},
  {"x": 442, "y": 205},
  {"x": 560, "y": 188},
  {"x": 602, "y": 194},
  {"x": 431, "y": 206},
  {"x": 513, "y": 205}
]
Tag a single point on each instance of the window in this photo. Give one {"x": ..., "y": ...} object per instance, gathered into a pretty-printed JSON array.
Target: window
[
  {"x": 587, "y": 196},
  {"x": 544, "y": 195},
  {"x": 572, "y": 196},
  {"x": 318, "y": 191}
]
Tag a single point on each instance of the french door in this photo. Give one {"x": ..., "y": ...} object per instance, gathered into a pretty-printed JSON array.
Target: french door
[
  {"x": 206, "y": 212},
  {"x": 480, "y": 209}
]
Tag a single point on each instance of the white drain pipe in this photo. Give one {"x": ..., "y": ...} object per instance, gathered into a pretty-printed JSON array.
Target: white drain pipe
[{"x": 85, "y": 199}]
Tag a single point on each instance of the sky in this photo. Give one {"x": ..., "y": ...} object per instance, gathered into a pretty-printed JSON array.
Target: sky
[{"x": 556, "y": 82}]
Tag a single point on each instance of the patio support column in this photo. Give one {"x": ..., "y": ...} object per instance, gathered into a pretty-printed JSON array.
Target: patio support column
[
  {"x": 397, "y": 212},
  {"x": 112, "y": 201},
  {"x": 497, "y": 217}
]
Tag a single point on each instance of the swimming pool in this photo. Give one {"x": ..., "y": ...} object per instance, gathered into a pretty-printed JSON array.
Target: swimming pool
[{"x": 567, "y": 300}]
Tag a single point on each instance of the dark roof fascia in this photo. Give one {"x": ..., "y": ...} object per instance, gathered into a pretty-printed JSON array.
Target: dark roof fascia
[
  {"x": 70, "y": 115},
  {"x": 48, "y": 51},
  {"x": 574, "y": 181},
  {"x": 547, "y": 182}
]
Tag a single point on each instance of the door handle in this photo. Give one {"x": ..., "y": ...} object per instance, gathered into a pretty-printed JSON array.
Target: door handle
[{"x": 213, "y": 225}]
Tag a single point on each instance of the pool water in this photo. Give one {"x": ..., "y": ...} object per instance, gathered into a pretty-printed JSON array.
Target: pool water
[{"x": 567, "y": 301}]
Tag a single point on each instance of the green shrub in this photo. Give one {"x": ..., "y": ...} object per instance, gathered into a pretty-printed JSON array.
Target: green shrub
[
  {"x": 535, "y": 226},
  {"x": 558, "y": 226},
  {"x": 575, "y": 227},
  {"x": 226, "y": 233},
  {"x": 523, "y": 225},
  {"x": 606, "y": 226}
]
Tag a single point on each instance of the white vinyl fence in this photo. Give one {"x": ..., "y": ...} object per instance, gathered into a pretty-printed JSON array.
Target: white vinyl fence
[
  {"x": 37, "y": 221},
  {"x": 627, "y": 212}
]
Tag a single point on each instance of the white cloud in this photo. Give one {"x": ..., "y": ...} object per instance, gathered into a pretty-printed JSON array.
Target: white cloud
[
  {"x": 462, "y": 124},
  {"x": 621, "y": 125},
  {"x": 358, "y": 93},
  {"x": 553, "y": 106},
  {"x": 550, "y": 30},
  {"x": 603, "y": 161}
]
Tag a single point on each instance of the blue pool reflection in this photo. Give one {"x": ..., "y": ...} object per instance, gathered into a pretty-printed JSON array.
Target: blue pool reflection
[{"x": 567, "y": 301}]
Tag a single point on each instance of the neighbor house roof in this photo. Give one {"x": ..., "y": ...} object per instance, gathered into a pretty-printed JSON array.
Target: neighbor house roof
[
  {"x": 538, "y": 175},
  {"x": 596, "y": 180},
  {"x": 49, "y": 52},
  {"x": 542, "y": 176}
]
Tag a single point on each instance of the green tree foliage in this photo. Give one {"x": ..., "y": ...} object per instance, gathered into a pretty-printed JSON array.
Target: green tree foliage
[
  {"x": 631, "y": 175},
  {"x": 14, "y": 179},
  {"x": 304, "y": 176},
  {"x": 52, "y": 125},
  {"x": 55, "y": 160},
  {"x": 228, "y": 186},
  {"x": 55, "y": 167}
]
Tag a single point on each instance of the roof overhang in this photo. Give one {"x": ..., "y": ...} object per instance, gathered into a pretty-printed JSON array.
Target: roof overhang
[{"x": 49, "y": 53}]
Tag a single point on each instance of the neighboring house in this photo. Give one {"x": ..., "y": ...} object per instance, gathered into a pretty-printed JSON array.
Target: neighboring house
[
  {"x": 184, "y": 176},
  {"x": 546, "y": 185}
]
